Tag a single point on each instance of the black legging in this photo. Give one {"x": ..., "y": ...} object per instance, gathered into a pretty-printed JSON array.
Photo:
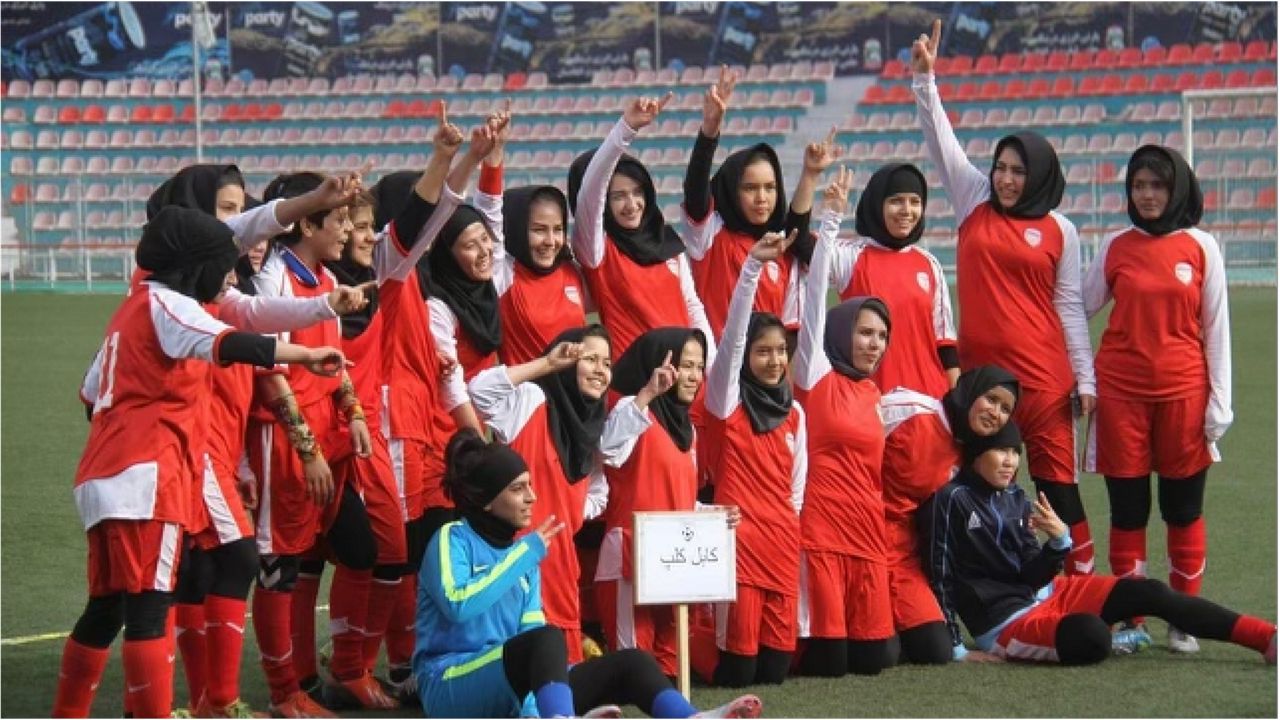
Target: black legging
[
  {"x": 768, "y": 667},
  {"x": 826, "y": 657},
  {"x": 626, "y": 677},
  {"x": 226, "y": 571},
  {"x": 927, "y": 644}
]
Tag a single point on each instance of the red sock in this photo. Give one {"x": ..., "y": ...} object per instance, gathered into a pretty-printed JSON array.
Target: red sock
[
  {"x": 1128, "y": 553},
  {"x": 78, "y": 678},
  {"x": 190, "y": 637},
  {"x": 400, "y": 628},
  {"x": 224, "y": 640},
  {"x": 1253, "y": 632},
  {"x": 148, "y": 672},
  {"x": 383, "y": 595},
  {"x": 1186, "y": 557},
  {"x": 1080, "y": 559},
  {"x": 271, "y": 615},
  {"x": 304, "y": 625},
  {"x": 348, "y": 618}
]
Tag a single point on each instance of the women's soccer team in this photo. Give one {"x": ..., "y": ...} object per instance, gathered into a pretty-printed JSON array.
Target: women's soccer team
[{"x": 404, "y": 384}]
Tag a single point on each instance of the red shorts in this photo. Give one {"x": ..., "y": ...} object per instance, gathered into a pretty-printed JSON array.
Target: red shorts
[
  {"x": 288, "y": 520},
  {"x": 758, "y": 618},
  {"x": 1049, "y": 431},
  {"x": 626, "y": 625},
  {"x": 1130, "y": 438},
  {"x": 133, "y": 556},
  {"x": 844, "y": 597},
  {"x": 1032, "y": 636},
  {"x": 226, "y": 519},
  {"x": 376, "y": 481},
  {"x": 914, "y": 603}
]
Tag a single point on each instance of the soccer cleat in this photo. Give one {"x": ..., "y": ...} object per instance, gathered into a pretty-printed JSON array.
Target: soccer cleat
[
  {"x": 745, "y": 706},
  {"x": 300, "y": 705},
  {"x": 1180, "y": 642},
  {"x": 604, "y": 711},
  {"x": 1129, "y": 640},
  {"x": 363, "y": 692},
  {"x": 237, "y": 709},
  {"x": 1270, "y": 654}
]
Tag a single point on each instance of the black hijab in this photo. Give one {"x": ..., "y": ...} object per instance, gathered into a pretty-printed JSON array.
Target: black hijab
[
  {"x": 349, "y": 272},
  {"x": 1006, "y": 437},
  {"x": 196, "y": 188},
  {"x": 1045, "y": 184},
  {"x": 476, "y": 478},
  {"x": 391, "y": 194},
  {"x": 837, "y": 339},
  {"x": 885, "y": 183},
  {"x": 575, "y": 421},
  {"x": 188, "y": 250},
  {"x": 474, "y": 302},
  {"x": 654, "y": 241},
  {"x": 724, "y": 189},
  {"x": 767, "y": 406},
  {"x": 633, "y": 369},
  {"x": 1186, "y": 203},
  {"x": 971, "y": 385},
  {"x": 516, "y": 204}
]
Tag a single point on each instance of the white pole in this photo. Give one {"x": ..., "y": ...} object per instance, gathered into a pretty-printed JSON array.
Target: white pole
[{"x": 197, "y": 8}]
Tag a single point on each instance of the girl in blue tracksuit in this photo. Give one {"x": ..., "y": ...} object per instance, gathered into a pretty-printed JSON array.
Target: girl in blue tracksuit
[
  {"x": 483, "y": 645},
  {"x": 987, "y": 567}
]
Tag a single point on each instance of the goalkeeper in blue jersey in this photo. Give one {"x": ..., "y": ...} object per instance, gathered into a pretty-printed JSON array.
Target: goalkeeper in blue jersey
[{"x": 483, "y": 645}]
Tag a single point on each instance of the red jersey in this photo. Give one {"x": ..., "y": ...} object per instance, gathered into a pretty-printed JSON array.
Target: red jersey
[
  {"x": 920, "y": 456},
  {"x": 145, "y": 438},
  {"x": 634, "y": 299},
  {"x": 365, "y": 352},
  {"x": 911, "y": 284},
  {"x": 1167, "y": 336},
  {"x": 537, "y": 308}
]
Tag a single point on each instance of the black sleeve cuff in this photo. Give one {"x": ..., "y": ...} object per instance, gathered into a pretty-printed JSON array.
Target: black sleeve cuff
[
  {"x": 247, "y": 348},
  {"x": 805, "y": 241},
  {"x": 697, "y": 177},
  {"x": 949, "y": 356},
  {"x": 409, "y": 223}
]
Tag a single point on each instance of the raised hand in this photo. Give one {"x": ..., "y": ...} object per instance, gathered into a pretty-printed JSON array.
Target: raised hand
[
  {"x": 564, "y": 355},
  {"x": 662, "y": 380},
  {"x": 483, "y": 140},
  {"x": 549, "y": 529},
  {"x": 500, "y": 122},
  {"x": 716, "y": 101},
  {"x": 346, "y": 299},
  {"x": 642, "y": 111},
  {"x": 924, "y": 51},
  {"x": 836, "y": 196},
  {"x": 448, "y": 137},
  {"x": 338, "y": 190},
  {"x": 772, "y": 245},
  {"x": 818, "y": 156},
  {"x": 1043, "y": 518}
]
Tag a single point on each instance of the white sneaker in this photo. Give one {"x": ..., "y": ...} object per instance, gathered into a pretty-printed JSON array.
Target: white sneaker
[
  {"x": 1180, "y": 642},
  {"x": 604, "y": 711},
  {"x": 745, "y": 706}
]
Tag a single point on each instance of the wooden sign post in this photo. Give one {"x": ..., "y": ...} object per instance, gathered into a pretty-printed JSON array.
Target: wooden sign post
[{"x": 682, "y": 558}]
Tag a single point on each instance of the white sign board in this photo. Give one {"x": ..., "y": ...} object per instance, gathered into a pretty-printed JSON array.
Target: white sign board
[{"x": 684, "y": 557}]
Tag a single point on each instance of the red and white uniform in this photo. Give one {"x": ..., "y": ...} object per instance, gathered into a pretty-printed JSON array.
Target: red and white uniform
[
  {"x": 517, "y": 414},
  {"x": 844, "y": 589},
  {"x": 717, "y": 254},
  {"x": 1020, "y": 281},
  {"x": 646, "y": 471},
  {"x": 1164, "y": 362},
  {"x": 920, "y": 456},
  {"x": 133, "y": 486},
  {"x": 764, "y": 475},
  {"x": 912, "y": 285},
  {"x": 632, "y": 298}
]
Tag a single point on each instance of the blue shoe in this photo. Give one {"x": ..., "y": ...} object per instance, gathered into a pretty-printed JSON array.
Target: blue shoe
[{"x": 1129, "y": 640}]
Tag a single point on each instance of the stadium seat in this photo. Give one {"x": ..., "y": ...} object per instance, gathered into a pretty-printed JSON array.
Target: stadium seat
[
  {"x": 45, "y": 115},
  {"x": 1124, "y": 142},
  {"x": 1015, "y": 89},
  {"x": 94, "y": 114},
  {"x": 1263, "y": 77},
  {"x": 1032, "y": 62},
  {"x": 996, "y": 117},
  {"x": 1082, "y": 60},
  {"x": 1162, "y": 83},
  {"x": 68, "y": 115},
  {"x": 966, "y": 91},
  {"x": 18, "y": 89},
  {"x": 96, "y": 140},
  {"x": 1038, "y": 89},
  {"x": 1227, "y": 139},
  {"x": 893, "y": 69},
  {"x": 1106, "y": 59},
  {"x": 1237, "y": 78},
  {"x": 1179, "y": 54},
  {"x": 1230, "y": 51},
  {"x": 874, "y": 95},
  {"x": 1074, "y": 144},
  {"x": 1135, "y": 85},
  {"x": 1253, "y": 138},
  {"x": 1241, "y": 199},
  {"x": 1057, "y": 61},
  {"x": 1044, "y": 115},
  {"x": 986, "y": 65},
  {"x": 42, "y": 89},
  {"x": 163, "y": 113},
  {"x": 1063, "y": 86},
  {"x": 1187, "y": 80},
  {"x": 1154, "y": 56},
  {"x": 71, "y": 140},
  {"x": 1112, "y": 84},
  {"x": 1267, "y": 199},
  {"x": 961, "y": 65},
  {"x": 1211, "y": 80},
  {"x": 1142, "y": 112},
  {"x": 1130, "y": 57},
  {"x": 978, "y": 147},
  {"x": 1099, "y": 144},
  {"x": 140, "y": 114},
  {"x": 879, "y": 122},
  {"x": 1069, "y": 114},
  {"x": 1112, "y": 202}
]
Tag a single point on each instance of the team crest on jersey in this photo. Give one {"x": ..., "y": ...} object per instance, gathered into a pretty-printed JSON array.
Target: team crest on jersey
[
  {"x": 673, "y": 265},
  {"x": 1183, "y": 272},
  {"x": 791, "y": 442},
  {"x": 922, "y": 279},
  {"x": 571, "y": 292},
  {"x": 771, "y": 268},
  {"x": 1032, "y": 236}
]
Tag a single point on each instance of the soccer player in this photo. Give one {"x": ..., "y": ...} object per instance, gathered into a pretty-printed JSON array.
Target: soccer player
[
  {"x": 648, "y": 447},
  {"x": 635, "y": 264},
  {"x": 989, "y": 569},
  {"x": 727, "y": 213},
  {"x": 845, "y": 610},
  {"x": 1164, "y": 369},
  {"x": 483, "y": 643},
  {"x": 923, "y": 438},
  {"x": 1018, "y": 275},
  {"x": 551, "y": 411},
  {"x": 756, "y": 448},
  {"x": 135, "y": 482},
  {"x": 885, "y": 262}
]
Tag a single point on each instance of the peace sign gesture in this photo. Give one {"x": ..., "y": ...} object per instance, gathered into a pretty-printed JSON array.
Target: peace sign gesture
[
  {"x": 772, "y": 245},
  {"x": 716, "y": 101},
  {"x": 818, "y": 156},
  {"x": 924, "y": 51},
  {"x": 836, "y": 197},
  {"x": 643, "y": 111}
]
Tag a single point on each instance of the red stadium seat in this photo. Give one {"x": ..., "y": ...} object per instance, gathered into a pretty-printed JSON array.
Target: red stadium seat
[
  {"x": 94, "y": 114},
  {"x": 899, "y": 95},
  {"x": 966, "y": 91},
  {"x": 232, "y": 112},
  {"x": 1091, "y": 85},
  {"x": 1211, "y": 200},
  {"x": 874, "y": 95},
  {"x": 946, "y": 90},
  {"x": 140, "y": 114},
  {"x": 961, "y": 65},
  {"x": 69, "y": 115},
  {"x": 515, "y": 81},
  {"x": 163, "y": 113},
  {"x": 893, "y": 68},
  {"x": 1211, "y": 80},
  {"x": 1202, "y": 54},
  {"x": 1187, "y": 80},
  {"x": 1267, "y": 197},
  {"x": 986, "y": 65},
  {"x": 1179, "y": 54},
  {"x": 1256, "y": 50},
  {"x": 1229, "y": 51},
  {"x": 1237, "y": 78},
  {"x": 1015, "y": 89},
  {"x": 1129, "y": 57},
  {"x": 1082, "y": 60},
  {"x": 991, "y": 90},
  {"x": 1033, "y": 62},
  {"x": 1263, "y": 77},
  {"x": 395, "y": 108},
  {"x": 1010, "y": 63},
  {"x": 1063, "y": 86},
  {"x": 1057, "y": 61},
  {"x": 272, "y": 111},
  {"x": 1135, "y": 85},
  {"x": 1155, "y": 56},
  {"x": 253, "y": 112},
  {"x": 1162, "y": 83},
  {"x": 942, "y": 66},
  {"x": 1106, "y": 59}
]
